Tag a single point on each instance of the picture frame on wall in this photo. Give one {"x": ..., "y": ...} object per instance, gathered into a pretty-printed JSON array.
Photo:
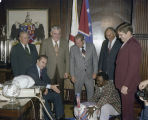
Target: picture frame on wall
[{"x": 33, "y": 21}]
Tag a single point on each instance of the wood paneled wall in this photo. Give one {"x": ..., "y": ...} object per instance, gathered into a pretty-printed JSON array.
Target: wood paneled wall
[{"x": 140, "y": 25}]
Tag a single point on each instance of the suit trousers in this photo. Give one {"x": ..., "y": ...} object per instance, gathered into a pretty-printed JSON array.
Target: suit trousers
[
  {"x": 128, "y": 105},
  {"x": 60, "y": 81},
  {"x": 55, "y": 98},
  {"x": 89, "y": 84}
]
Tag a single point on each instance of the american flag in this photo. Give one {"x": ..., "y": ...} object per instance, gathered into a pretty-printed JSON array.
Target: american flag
[{"x": 85, "y": 26}]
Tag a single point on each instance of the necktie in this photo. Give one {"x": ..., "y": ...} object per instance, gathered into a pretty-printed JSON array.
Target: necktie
[
  {"x": 109, "y": 47},
  {"x": 40, "y": 74},
  {"x": 83, "y": 51},
  {"x": 26, "y": 49},
  {"x": 56, "y": 48}
]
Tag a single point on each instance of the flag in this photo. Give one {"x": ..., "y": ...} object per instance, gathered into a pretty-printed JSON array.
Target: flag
[
  {"x": 74, "y": 24},
  {"x": 85, "y": 26}
]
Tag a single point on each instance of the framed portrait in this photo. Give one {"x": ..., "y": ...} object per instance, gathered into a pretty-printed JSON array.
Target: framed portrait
[{"x": 33, "y": 21}]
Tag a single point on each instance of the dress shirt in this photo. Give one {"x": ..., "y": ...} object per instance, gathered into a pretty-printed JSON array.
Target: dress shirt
[
  {"x": 112, "y": 43},
  {"x": 58, "y": 42},
  {"x": 26, "y": 46},
  {"x": 48, "y": 85},
  {"x": 84, "y": 45}
]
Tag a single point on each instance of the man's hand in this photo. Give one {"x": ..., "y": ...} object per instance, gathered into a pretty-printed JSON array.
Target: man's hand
[
  {"x": 66, "y": 75},
  {"x": 73, "y": 79},
  {"x": 54, "y": 88},
  {"x": 143, "y": 84},
  {"x": 45, "y": 92},
  {"x": 94, "y": 76},
  {"x": 124, "y": 90},
  {"x": 145, "y": 101},
  {"x": 90, "y": 111}
]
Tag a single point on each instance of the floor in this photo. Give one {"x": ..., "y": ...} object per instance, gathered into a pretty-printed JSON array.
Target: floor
[{"x": 68, "y": 109}]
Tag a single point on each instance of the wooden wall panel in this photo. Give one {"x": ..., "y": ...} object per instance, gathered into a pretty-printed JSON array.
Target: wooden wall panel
[{"x": 140, "y": 25}]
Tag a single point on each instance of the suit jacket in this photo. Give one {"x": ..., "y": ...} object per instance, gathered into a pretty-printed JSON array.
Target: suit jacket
[
  {"x": 107, "y": 94},
  {"x": 78, "y": 65},
  {"x": 33, "y": 72},
  {"x": 21, "y": 60},
  {"x": 128, "y": 65},
  {"x": 62, "y": 58},
  {"x": 107, "y": 60}
]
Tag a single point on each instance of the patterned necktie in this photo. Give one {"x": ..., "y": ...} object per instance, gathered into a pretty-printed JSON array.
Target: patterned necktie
[
  {"x": 26, "y": 49},
  {"x": 56, "y": 48},
  {"x": 83, "y": 51}
]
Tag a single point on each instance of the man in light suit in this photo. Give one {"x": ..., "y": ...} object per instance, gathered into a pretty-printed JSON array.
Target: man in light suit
[
  {"x": 39, "y": 73},
  {"x": 83, "y": 65},
  {"x": 127, "y": 73},
  {"x": 58, "y": 57},
  {"x": 22, "y": 55},
  {"x": 108, "y": 54}
]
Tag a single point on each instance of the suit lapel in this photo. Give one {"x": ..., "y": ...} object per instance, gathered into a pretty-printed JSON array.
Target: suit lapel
[
  {"x": 36, "y": 72},
  {"x": 22, "y": 48},
  {"x": 87, "y": 52},
  {"x": 31, "y": 49},
  {"x": 61, "y": 46},
  {"x": 50, "y": 46},
  {"x": 79, "y": 53},
  {"x": 113, "y": 47}
]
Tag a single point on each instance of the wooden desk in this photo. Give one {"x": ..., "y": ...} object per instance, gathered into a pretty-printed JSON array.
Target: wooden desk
[{"x": 21, "y": 111}]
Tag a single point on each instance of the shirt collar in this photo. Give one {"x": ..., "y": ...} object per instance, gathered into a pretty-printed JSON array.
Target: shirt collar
[
  {"x": 113, "y": 41},
  {"x": 24, "y": 45},
  {"x": 38, "y": 69},
  {"x": 84, "y": 45},
  {"x": 58, "y": 42}
]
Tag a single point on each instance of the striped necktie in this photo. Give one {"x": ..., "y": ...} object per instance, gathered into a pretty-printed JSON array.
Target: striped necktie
[{"x": 56, "y": 48}]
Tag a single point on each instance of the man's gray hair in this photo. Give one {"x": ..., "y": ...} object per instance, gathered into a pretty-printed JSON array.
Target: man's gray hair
[{"x": 55, "y": 27}]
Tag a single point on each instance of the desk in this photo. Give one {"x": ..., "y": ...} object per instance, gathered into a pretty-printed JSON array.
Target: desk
[{"x": 21, "y": 111}]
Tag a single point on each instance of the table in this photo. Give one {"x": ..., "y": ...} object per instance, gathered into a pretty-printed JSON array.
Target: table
[{"x": 24, "y": 110}]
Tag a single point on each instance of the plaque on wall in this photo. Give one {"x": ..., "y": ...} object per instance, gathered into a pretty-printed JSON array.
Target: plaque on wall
[{"x": 33, "y": 21}]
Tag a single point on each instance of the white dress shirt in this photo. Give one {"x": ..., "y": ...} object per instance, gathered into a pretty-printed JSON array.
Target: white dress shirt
[
  {"x": 48, "y": 86},
  {"x": 58, "y": 42},
  {"x": 112, "y": 43},
  {"x": 26, "y": 46}
]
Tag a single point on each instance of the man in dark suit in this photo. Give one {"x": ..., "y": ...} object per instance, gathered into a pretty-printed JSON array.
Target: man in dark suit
[
  {"x": 127, "y": 73},
  {"x": 58, "y": 57},
  {"x": 22, "y": 55},
  {"x": 108, "y": 54},
  {"x": 39, "y": 73}
]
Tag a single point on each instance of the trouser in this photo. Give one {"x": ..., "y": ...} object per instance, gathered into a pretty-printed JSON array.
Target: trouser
[
  {"x": 128, "y": 105},
  {"x": 89, "y": 84},
  {"x": 55, "y": 98},
  {"x": 144, "y": 113},
  {"x": 60, "y": 81}
]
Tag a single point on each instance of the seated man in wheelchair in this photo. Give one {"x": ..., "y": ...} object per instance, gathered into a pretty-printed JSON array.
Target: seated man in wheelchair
[{"x": 104, "y": 103}]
